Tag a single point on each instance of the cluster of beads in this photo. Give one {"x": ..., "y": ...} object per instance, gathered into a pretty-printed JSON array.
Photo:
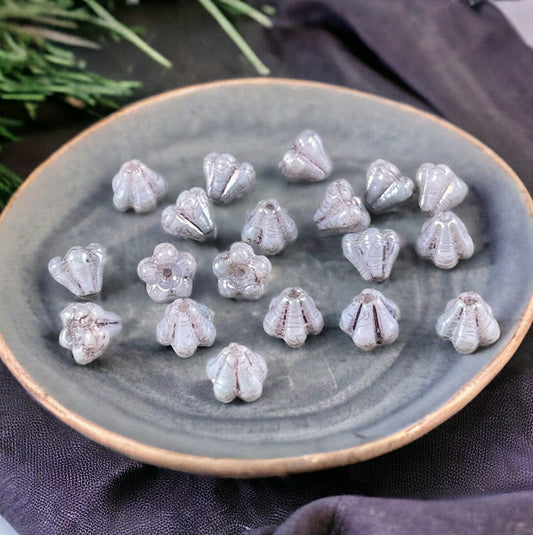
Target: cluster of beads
[
  {"x": 169, "y": 273},
  {"x": 87, "y": 327},
  {"x": 371, "y": 319}
]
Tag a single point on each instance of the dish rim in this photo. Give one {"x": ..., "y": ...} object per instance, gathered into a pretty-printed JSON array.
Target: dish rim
[{"x": 247, "y": 468}]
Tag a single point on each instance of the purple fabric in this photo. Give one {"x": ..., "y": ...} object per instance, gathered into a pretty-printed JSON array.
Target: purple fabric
[
  {"x": 473, "y": 474},
  {"x": 360, "y": 515}
]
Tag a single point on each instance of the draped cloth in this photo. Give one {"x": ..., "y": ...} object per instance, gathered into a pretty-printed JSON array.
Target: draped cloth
[{"x": 472, "y": 474}]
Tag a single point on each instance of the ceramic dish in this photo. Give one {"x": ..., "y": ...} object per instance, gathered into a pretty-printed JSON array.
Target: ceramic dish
[{"x": 324, "y": 404}]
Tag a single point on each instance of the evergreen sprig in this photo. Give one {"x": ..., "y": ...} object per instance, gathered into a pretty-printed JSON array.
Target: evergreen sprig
[{"x": 37, "y": 62}]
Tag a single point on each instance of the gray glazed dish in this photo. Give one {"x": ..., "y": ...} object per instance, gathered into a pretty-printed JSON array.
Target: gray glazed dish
[{"x": 324, "y": 404}]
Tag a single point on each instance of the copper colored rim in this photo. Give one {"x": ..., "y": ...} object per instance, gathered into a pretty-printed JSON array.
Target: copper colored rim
[{"x": 244, "y": 468}]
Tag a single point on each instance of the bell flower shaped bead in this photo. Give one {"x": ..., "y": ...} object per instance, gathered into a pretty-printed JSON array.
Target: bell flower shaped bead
[
  {"x": 372, "y": 252},
  {"x": 137, "y": 186},
  {"x": 168, "y": 273},
  {"x": 80, "y": 270},
  {"x": 340, "y": 210},
  {"x": 468, "y": 322},
  {"x": 190, "y": 217},
  {"x": 269, "y": 227},
  {"x": 87, "y": 330},
  {"x": 371, "y": 320},
  {"x": 226, "y": 178},
  {"x": 307, "y": 159},
  {"x": 292, "y": 316},
  {"x": 386, "y": 188},
  {"x": 186, "y": 325},
  {"x": 444, "y": 239},
  {"x": 237, "y": 372},
  {"x": 241, "y": 273},
  {"x": 439, "y": 188}
]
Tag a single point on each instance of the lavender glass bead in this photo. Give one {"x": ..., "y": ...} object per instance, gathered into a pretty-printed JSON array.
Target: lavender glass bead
[
  {"x": 186, "y": 325},
  {"x": 372, "y": 252},
  {"x": 87, "y": 330},
  {"x": 439, "y": 188},
  {"x": 80, "y": 270},
  {"x": 241, "y": 273},
  {"x": 468, "y": 322},
  {"x": 340, "y": 210},
  {"x": 237, "y": 372},
  {"x": 371, "y": 320},
  {"x": 307, "y": 159},
  {"x": 386, "y": 188},
  {"x": 137, "y": 186},
  {"x": 190, "y": 217},
  {"x": 227, "y": 179},
  {"x": 292, "y": 316},
  {"x": 444, "y": 239},
  {"x": 269, "y": 226},
  {"x": 168, "y": 273}
]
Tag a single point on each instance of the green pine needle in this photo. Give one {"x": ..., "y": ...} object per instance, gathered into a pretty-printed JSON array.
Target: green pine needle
[
  {"x": 37, "y": 62},
  {"x": 233, "y": 34}
]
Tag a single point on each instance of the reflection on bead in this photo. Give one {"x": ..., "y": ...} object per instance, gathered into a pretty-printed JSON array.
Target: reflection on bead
[
  {"x": 80, "y": 270},
  {"x": 468, "y": 322},
  {"x": 237, "y": 372},
  {"x": 307, "y": 159},
  {"x": 292, "y": 316},
  {"x": 190, "y": 217},
  {"x": 87, "y": 330},
  {"x": 439, "y": 188},
  {"x": 340, "y": 210},
  {"x": 186, "y": 325},
  {"x": 269, "y": 227},
  {"x": 137, "y": 186},
  {"x": 227, "y": 179},
  {"x": 241, "y": 273},
  {"x": 444, "y": 239},
  {"x": 371, "y": 320},
  {"x": 168, "y": 273},
  {"x": 386, "y": 188},
  {"x": 372, "y": 252}
]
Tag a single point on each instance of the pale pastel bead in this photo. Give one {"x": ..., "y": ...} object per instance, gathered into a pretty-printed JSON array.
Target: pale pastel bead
[
  {"x": 439, "y": 188},
  {"x": 227, "y": 179},
  {"x": 241, "y": 273},
  {"x": 292, "y": 316},
  {"x": 386, "y": 187},
  {"x": 372, "y": 252},
  {"x": 371, "y": 320},
  {"x": 468, "y": 322},
  {"x": 444, "y": 239},
  {"x": 340, "y": 210},
  {"x": 190, "y": 217},
  {"x": 269, "y": 226},
  {"x": 168, "y": 273},
  {"x": 237, "y": 372},
  {"x": 80, "y": 270},
  {"x": 87, "y": 330},
  {"x": 137, "y": 186},
  {"x": 186, "y": 325},
  {"x": 307, "y": 159}
]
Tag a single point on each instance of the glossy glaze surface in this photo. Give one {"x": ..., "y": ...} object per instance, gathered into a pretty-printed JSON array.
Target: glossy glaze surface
[{"x": 324, "y": 404}]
